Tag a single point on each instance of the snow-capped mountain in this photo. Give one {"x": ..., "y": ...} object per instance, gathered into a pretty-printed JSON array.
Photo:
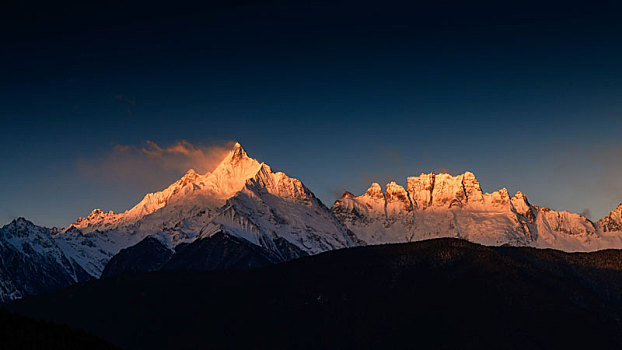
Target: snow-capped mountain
[
  {"x": 441, "y": 205},
  {"x": 611, "y": 222},
  {"x": 31, "y": 262},
  {"x": 240, "y": 197},
  {"x": 181, "y": 199}
]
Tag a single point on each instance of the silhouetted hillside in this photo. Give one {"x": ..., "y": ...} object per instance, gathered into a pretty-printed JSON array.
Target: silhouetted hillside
[
  {"x": 442, "y": 293},
  {"x": 19, "y": 332}
]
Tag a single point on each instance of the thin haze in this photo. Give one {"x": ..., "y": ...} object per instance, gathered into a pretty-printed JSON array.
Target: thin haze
[{"x": 101, "y": 103}]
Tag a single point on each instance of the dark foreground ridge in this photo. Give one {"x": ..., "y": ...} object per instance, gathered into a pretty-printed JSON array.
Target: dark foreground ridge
[
  {"x": 19, "y": 332},
  {"x": 442, "y": 293}
]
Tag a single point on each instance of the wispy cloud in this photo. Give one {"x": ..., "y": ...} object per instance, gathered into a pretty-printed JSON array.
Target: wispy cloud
[{"x": 152, "y": 164}]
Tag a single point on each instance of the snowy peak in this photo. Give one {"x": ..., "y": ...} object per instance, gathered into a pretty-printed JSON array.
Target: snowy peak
[
  {"x": 238, "y": 153},
  {"x": 374, "y": 192},
  {"x": 96, "y": 217},
  {"x": 448, "y": 191},
  {"x": 224, "y": 181},
  {"x": 444, "y": 190},
  {"x": 372, "y": 200},
  {"x": 472, "y": 188},
  {"x": 420, "y": 190},
  {"x": 370, "y": 204},
  {"x": 347, "y": 194},
  {"x": 190, "y": 176},
  {"x": 434, "y": 191},
  {"x": 279, "y": 184},
  {"x": 498, "y": 199},
  {"x": 556, "y": 225},
  {"x": 19, "y": 223},
  {"x": 236, "y": 158},
  {"x": 523, "y": 207},
  {"x": 613, "y": 221},
  {"x": 231, "y": 174},
  {"x": 397, "y": 199}
]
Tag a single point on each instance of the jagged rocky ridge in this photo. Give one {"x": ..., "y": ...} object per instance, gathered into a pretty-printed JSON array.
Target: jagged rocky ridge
[
  {"x": 243, "y": 214},
  {"x": 441, "y": 205}
]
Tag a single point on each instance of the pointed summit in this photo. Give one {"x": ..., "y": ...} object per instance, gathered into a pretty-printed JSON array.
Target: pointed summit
[
  {"x": 347, "y": 194},
  {"x": 231, "y": 174},
  {"x": 613, "y": 221},
  {"x": 236, "y": 156},
  {"x": 191, "y": 173},
  {"x": 190, "y": 177},
  {"x": 374, "y": 191},
  {"x": 21, "y": 222},
  {"x": 238, "y": 152}
]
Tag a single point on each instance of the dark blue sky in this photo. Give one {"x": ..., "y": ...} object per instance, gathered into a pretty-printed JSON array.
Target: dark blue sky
[{"x": 526, "y": 94}]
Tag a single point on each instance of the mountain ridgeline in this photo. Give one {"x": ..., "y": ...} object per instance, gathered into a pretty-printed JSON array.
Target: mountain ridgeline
[{"x": 243, "y": 215}]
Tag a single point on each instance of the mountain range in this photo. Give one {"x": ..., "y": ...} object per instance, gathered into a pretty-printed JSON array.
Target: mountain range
[{"x": 243, "y": 215}]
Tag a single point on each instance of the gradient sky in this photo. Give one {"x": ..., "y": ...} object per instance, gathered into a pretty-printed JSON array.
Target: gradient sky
[{"x": 525, "y": 94}]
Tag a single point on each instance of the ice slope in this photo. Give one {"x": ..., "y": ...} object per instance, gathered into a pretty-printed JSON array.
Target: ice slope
[{"x": 274, "y": 206}]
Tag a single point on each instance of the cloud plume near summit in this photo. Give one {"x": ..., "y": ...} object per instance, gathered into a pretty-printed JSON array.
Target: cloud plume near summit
[{"x": 151, "y": 163}]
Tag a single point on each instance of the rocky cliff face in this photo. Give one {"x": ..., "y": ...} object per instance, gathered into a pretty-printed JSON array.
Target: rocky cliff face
[
  {"x": 441, "y": 205},
  {"x": 611, "y": 222}
]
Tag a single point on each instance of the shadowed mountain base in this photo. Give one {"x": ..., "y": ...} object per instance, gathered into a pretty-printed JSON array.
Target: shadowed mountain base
[
  {"x": 19, "y": 332},
  {"x": 442, "y": 293},
  {"x": 220, "y": 251}
]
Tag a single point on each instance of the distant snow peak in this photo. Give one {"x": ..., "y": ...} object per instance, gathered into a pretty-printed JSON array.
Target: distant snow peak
[
  {"x": 20, "y": 222},
  {"x": 347, "y": 194},
  {"x": 442, "y": 205},
  {"x": 397, "y": 199},
  {"x": 96, "y": 217},
  {"x": 438, "y": 191},
  {"x": 613, "y": 221},
  {"x": 374, "y": 191}
]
